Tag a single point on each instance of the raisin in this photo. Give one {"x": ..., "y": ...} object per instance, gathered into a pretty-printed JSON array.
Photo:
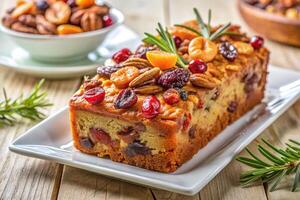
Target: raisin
[
  {"x": 125, "y": 99},
  {"x": 106, "y": 71},
  {"x": 232, "y": 106},
  {"x": 228, "y": 51},
  {"x": 182, "y": 93},
  {"x": 86, "y": 142},
  {"x": 137, "y": 148},
  {"x": 192, "y": 132},
  {"x": 176, "y": 78}
]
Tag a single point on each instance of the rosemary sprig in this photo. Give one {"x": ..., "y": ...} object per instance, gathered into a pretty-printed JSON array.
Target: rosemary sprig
[
  {"x": 205, "y": 29},
  {"x": 165, "y": 42},
  {"x": 281, "y": 162},
  {"x": 28, "y": 108}
]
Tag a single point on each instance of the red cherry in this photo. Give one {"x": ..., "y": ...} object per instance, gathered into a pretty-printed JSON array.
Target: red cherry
[
  {"x": 95, "y": 95},
  {"x": 121, "y": 55},
  {"x": 197, "y": 66},
  {"x": 171, "y": 96},
  {"x": 177, "y": 41},
  {"x": 150, "y": 107},
  {"x": 257, "y": 42},
  {"x": 107, "y": 20}
]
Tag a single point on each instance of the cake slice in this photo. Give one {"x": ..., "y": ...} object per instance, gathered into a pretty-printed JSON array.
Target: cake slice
[{"x": 156, "y": 107}]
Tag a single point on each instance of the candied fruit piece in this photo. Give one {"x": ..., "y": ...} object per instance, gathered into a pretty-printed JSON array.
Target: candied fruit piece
[
  {"x": 161, "y": 59},
  {"x": 66, "y": 29}
]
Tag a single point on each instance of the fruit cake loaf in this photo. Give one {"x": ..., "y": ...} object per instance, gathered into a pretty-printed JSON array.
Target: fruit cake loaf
[{"x": 156, "y": 107}]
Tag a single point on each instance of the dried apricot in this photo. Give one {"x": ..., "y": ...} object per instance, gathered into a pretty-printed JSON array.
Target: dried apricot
[
  {"x": 68, "y": 29},
  {"x": 23, "y": 8},
  {"x": 203, "y": 49},
  {"x": 85, "y": 3},
  {"x": 124, "y": 76},
  {"x": 161, "y": 59}
]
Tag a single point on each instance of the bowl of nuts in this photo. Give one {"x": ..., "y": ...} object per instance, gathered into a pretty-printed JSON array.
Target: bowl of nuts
[
  {"x": 57, "y": 30},
  {"x": 278, "y": 20}
]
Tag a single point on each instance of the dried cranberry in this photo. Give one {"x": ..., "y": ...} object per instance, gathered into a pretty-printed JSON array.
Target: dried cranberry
[
  {"x": 197, "y": 66},
  {"x": 99, "y": 135},
  {"x": 72, "y": 3},
  {"x": 187, "y": 120},
  {"x": 107, "y": 20},
  {"x": 121, "y": 55},
  {"x": 137, "y": 148},
  {"x": 42, "y": 5},
  {"x": 150, "y": 107},
  {"x": 176, "y": 78},
  {"x": 106, "y": 71},
  {"x": 86, "y": 142},
  {"x": 228, "y": 51},
  {"x": 257, "y": 42},
  {"x": 95, "y": 95},
  {"x": 125, "y": 99},
  {"x": 232, "y": 106},
  {"x": 177, "y": 41},
  {"x": 171, "y": 96}
]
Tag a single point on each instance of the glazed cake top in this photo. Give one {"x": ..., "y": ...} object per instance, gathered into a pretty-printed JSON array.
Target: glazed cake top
[{"x": 172, "y": 72}]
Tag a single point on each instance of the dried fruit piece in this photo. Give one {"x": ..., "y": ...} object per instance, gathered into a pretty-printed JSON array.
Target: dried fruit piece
[
  {"x": 150, "y": 107},
  {"x": 176, "y": 78},
  {"x": 86, "y": 142},
  {"x": 85, "y": 3},
  {"x": 42, "y": 5},
  {"x": 58, "y": 13},
  {"x": 136, "y": 148},
  {"x": 203, "y": 49},
  {"x": 232, "y": 106},
  {"x": 161, "y": 59},
  {"x": 171, "y": 96},
  {"x": 91, "y": 22},
  {"x": 72, "y": 3},
  {"x": 197, "y": 66},
  {"x": 146, "y": 76},
  {"x": 106, "y": 71},
  {"x": 203, "y": 80},
  {"x": 148, "y": 89},
  {"x": 228, "y": 51},
  {"x": 22, "y": 9},
  {"x": 66, "y": 29},
  {"x": 177, "y": 41},
  {"x": 107, "y": 20},
  {"x": 183, "y": 94},
  {"x": 124, "y": 76},
  {"x": 98, "y": 135},
  {"x": 95, "y": 95},
  {"x": 125, "y": 99},
  {"x": 128, "y": 134},
  {"x": 142, "y": 50},
  {"x": 121, "y": 55},
  {"x": 257, "y": 42}
]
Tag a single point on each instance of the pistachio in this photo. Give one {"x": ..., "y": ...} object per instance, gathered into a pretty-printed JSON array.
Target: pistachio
[
  {"x": 146, "y": 76},
  {"x": 203, "y": 80},
  {"x": 148, "y": 89}
]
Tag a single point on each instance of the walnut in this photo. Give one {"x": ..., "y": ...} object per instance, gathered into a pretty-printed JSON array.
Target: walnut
[
  {"x": 18, "y": 26},
  {"x": 91, "y": 21},
  {"x": 44, "y": 27},
  {"x": 28, "y": 20},
  {"x": 77, "y": 16},
  {"x": 7, "y": 21}
]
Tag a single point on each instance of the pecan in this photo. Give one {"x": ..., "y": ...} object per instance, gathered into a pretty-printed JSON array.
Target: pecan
[
  {"x": 232, "y": 67},
  {"x": 7, "y": 21},
  {"x": 91, "y": 22},
  {"x": 214, "y": 71},
  {"x": 45, "y": 27},
  {"x": 146, "y": 76},
  {"x": 28, "y": 20},
  {"x": 58, "y": 13},
  {"x": 137, "y": 62},
  {"x": 203, "y": 80},
  {"x": 99, "y": 10},
  {"x": 76, "y": 16},
  {"x": 148, "y": 89},
  {"x": 18, "y": 26}
]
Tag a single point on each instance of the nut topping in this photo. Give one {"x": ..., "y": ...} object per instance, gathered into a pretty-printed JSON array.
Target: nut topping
[
  {"x": 45, "y": 27},
  {"x": 146, "y": 76},
  {"x": 22, "y": 9},
  {"x": 58, "y": 13},
  {"x": 76, "y": 17},
  {"x": 23, "y": 28},
  {"x": 137, "y": 62},
  {"x": 148, "y": 89},
  {"x": 28, "y": 20},
  {"x": 203, "y": 80},
  {"x": 91, "y": 22}
]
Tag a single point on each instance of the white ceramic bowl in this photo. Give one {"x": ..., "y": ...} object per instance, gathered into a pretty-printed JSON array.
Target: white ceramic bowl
[{"x": 56, "y": 48}]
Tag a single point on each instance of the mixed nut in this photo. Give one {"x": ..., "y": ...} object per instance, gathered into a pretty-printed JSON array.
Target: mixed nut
[
  {"x": 57, "y": 17},
  {"x": 287, "y": 8}
]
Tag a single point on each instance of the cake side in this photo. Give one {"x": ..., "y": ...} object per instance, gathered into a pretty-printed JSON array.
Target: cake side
[{"x": 149, "y": 109}]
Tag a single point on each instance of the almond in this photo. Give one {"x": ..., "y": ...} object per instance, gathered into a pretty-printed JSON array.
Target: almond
[{"x": 146, "y": 76}]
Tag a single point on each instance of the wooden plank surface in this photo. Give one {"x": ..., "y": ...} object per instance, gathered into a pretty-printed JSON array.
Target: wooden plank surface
[{"x": 28, "y": 178}]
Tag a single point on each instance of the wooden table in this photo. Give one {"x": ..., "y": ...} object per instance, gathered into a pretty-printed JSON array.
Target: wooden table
[{"x": 29, "y": 178}]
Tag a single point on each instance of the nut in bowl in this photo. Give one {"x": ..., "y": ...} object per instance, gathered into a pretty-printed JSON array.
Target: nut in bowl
[{"x": 59, "y": 31}]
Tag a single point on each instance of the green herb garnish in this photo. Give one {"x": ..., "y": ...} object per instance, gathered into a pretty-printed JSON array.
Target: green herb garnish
[
  {"x": 205, "y": 29},
  {"x": 28, "y": 108},
  {"x": 165, "y": 42},
  {"x": 279, "y": 163}
]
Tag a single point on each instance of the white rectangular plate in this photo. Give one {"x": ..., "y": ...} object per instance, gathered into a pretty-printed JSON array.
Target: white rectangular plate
[{"x": 51, "y": 140}]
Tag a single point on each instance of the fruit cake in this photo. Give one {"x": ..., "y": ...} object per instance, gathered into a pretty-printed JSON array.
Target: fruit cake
[{"x": 155, "y": 107}]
